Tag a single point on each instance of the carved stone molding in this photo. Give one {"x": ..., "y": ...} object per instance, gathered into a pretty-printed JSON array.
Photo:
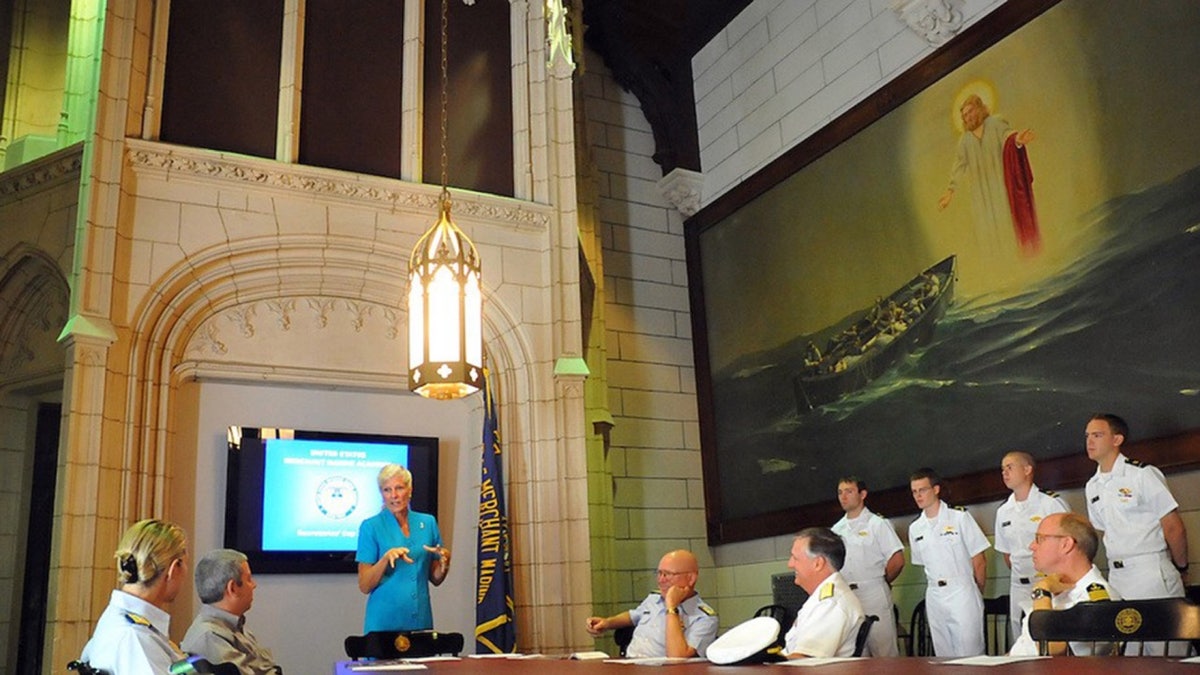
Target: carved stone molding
[
  {"x": 285, "y": 314},
  {"x": 558, "y": 37},
  {"x": 683, "y": 189},
  {"x": 934, "y": 20},
  {"x": 53, "y": 169},
  {"x": 35, "y": 335},
  {"x": 149, "y": 157}
]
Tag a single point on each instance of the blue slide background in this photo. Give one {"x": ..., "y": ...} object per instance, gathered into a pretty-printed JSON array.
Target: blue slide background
[{"x": 295, "y": 471}]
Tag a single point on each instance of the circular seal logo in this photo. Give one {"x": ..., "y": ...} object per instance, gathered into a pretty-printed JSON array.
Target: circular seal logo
[
  {"x": 402, "y": 643},
  {"x": 337, "y": 497},
  {"x": 1128, "y": 621}
]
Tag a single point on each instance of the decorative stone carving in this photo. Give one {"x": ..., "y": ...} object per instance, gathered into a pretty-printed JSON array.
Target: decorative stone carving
[
  {"x": 322, "y": 307},
  {"x": 206, "y": 340},
  {"x": 351, "y": 337},
  {"x": 682, "y": 189},
  {"x": 145, "y": 156},
  {"x": 244, "y": 318},
  {"x": 50, "y": 170},
  {"x": 393, "y": 319},
  {"x": 934, "y": 20},
  {"x": 283, "y": 309},
  {"x": 361, "y": 311},
  {"x": 558, "y": 37}
]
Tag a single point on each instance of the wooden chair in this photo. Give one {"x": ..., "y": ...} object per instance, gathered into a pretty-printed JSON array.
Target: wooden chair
[
  {"x": 779, "y": 613},
  {"x": 84, "y": 668},
  {"x": 1130, "y": 625},
  {"x": 996, "y": 625},
  {"x": 918, "y": 629},
  {"x": 623, "y": 636},
  {"x": 198, "y": 665},
  {"x": 860, "y": 641}
]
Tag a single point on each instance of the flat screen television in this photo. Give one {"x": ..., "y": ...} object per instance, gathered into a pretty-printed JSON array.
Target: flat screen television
[{"x": 294, "y": 499}]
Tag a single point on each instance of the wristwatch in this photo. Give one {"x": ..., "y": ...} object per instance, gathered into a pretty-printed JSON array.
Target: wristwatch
[
  {"x": 1038, "y": 593},
  {"x": 673, "y": 610}
]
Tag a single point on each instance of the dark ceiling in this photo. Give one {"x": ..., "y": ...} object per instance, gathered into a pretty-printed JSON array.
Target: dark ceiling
[{"x": 648, "y": 45}]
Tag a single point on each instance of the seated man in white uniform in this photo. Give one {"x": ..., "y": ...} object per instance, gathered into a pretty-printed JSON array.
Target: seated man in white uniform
[
  {"x": 672, "y": 621},
  {"x": 828, "y": 622},
  {"x": 1063, "y": 549}
]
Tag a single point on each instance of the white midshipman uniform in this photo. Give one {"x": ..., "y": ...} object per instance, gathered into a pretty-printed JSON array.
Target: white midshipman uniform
[
  {"x": 1016, "y": 523},
  {"x": 870, "y": 542},
  {"x": 953, "y": 604},
  {"x": 1128, "y": 504}
]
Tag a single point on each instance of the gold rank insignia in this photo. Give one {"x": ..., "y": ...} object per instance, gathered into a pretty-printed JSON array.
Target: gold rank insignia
[
  {"x": 137, "y": 619},
  {"x": 707, "y": 610},
  {"x": 1097, "y": 591},
  {"x": 826, "y": 591}
]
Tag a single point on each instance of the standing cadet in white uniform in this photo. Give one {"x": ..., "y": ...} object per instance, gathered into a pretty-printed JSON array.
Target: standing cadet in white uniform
[
  {"x": 949, "y": 543},
  {"x": 874, "y": 558},
  {"x": 1144, "y": 536},
  {"x": 1129, "y": 502},
  {"x": 1017, "y": 521},
  {"x": 827, "y": 624}
]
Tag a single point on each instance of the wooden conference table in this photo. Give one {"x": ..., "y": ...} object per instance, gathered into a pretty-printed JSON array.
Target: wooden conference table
[{"x": 1065, "y": 665}]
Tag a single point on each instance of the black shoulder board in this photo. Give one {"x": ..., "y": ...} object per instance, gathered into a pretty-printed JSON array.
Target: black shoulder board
[
  {"x": 655, "y": 592},
  {"x": 1050, "y": 493},
  {"x": 1006, "y": 523},
  {"x": 707, "y": 610},
  {"x": 1134, "y": 462},
  {"x": 959, "y": 508},
  {"x": 919, "y": 538},
  {"x": 1095, "y": 499}
]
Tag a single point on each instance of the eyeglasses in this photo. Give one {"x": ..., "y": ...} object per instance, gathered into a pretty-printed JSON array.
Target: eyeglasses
[
  {"x": 1040, "y": 538},
  {"x": 667, "y": 573}
]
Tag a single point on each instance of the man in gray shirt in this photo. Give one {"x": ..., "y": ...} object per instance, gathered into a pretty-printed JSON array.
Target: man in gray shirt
[{"x": 226, "y": 587}]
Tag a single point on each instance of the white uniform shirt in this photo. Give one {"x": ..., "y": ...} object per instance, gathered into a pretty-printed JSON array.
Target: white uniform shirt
[
  {"x": 1128, "y": 504},
  {"x": 870, "y": 542},
  {"x": 946, "y": 543},
  {"x": 650, "y": 620},
  {"x": 131, "y": 638},
  {"x": 1017, "y": 522},
  {"x": 1091, "y": 587},
  {"x": 828, "y": 622}
]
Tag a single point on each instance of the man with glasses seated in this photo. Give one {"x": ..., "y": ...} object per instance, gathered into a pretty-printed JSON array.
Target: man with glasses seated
[
  {"x": 672, "y": 621},
  {"x": 1063, "y": 549}
]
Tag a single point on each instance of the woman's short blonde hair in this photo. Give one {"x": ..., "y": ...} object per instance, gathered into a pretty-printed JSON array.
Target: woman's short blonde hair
[
  {"x": 390, "y": 471},
  {"x": 147, "y": 549}
]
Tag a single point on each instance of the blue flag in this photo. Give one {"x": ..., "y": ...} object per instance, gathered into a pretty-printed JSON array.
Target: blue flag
[{"x": 495, "y": 618}]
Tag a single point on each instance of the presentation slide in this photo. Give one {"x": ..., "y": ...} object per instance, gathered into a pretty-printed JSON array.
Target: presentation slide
[{"x": 316, "y": 492}]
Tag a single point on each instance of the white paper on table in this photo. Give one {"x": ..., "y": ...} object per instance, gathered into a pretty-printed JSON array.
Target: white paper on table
[
  {"x": 655, "y": 661},
  {"x": 988, "y": 660},
  {"x": 817, "y": 661},
  {"x": 369, "y": 667}
]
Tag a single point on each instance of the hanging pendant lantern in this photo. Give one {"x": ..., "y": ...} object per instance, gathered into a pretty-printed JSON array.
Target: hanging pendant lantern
[
  {"x": 445, "y": 307},
  {"x": 445, "y": 302}
]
